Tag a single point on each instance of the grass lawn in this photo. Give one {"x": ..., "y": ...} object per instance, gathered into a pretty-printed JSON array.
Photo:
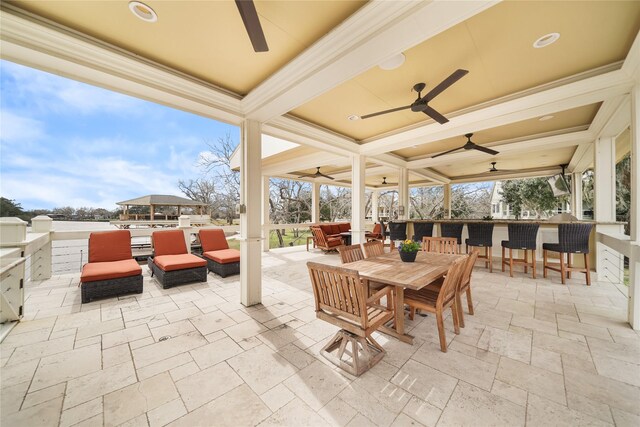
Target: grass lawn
[{"x": 288, "y": 239}]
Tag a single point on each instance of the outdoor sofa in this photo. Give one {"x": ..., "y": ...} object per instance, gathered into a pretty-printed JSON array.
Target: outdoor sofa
[
  {"x": 111, "y": 269},
  {"x": 215, "y": 250},
  {"x": 172, "y": 264}
]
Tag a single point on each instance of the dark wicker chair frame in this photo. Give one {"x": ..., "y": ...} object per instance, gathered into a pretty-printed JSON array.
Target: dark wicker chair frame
[
  {"x": 422, "y": 229},
  {"x": 573, "y": 239},
  {"x": 223, "y": 270},
  {"x": 481, "y": 236},
  {"x": 521, "y": 237},
  {"x": 172, "y": 278},
  {"x": 450, "y": 229},
  {"x": 111, "y": 287},
  {"x": 397, "y": 231}
]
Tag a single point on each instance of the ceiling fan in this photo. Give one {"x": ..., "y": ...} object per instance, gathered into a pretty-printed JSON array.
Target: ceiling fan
[
  {"x": 421, "y": 104},
  {"x": 470, "y": 145},
  {"x": 317, "y": 174},
  {"x": 494, "y": 169},
  {"x": 251, "y": 22},
  {"x": 384, "y": 181}
]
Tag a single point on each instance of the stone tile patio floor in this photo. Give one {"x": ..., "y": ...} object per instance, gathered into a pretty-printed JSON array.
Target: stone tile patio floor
[{"x": 536, "y": 353}]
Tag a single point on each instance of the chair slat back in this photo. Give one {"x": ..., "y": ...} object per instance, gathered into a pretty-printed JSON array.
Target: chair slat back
[
  {"x": 338, "y": 291},
  {"x": 373, "y": 249},
  {"x": 319, "y": 236},
  {"x": 350, "y": 253},
  {"x": 441, "y": 245},
  {"x": 451, "y": 282},
  {"x": 468, "y": 270}
]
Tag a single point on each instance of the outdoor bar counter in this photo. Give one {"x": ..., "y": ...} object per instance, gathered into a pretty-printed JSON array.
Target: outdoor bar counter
[{"x": 548, "y": 233}]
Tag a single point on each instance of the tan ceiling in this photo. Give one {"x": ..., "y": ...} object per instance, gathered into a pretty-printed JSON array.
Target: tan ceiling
[
  {"x": 562, "y": 120},
  {"x": 205, "y": 39},
  {"x": 533, "y": 159},
  {"x": 496, "y": 47}
]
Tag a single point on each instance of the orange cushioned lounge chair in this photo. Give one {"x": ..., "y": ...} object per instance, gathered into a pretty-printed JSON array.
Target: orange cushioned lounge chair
[
  {"x": 215, "y": 249},
  {"x": 172, "y": 264},
  {"x": 111, "y": 269}
]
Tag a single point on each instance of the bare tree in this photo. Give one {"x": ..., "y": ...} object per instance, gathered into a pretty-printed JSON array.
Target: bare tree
[{"x": 202, "y": 190}]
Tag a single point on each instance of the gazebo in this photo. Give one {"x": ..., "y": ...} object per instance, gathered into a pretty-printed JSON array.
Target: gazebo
[{"x": 153, "y": 200}]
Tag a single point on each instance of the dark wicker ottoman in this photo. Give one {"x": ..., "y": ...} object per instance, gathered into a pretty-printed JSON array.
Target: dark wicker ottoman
[
  {"x": 172, "y": 278},
  {"x": 111, "y": 287},
  {"x": 223, "y": 270}
]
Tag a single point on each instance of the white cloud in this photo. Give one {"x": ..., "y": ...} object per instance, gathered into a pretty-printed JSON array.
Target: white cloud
[{"x": 16, "y": 128}]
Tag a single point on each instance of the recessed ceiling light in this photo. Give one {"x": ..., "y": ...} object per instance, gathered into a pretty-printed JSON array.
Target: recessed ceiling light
[
  {"x": 392, "y": 63},
  {"x": 545, "y": 118},
  {"x": 143, "y": 11},
  {"x": 546, "y": 40},
  {"x": 353, "y": 117}
]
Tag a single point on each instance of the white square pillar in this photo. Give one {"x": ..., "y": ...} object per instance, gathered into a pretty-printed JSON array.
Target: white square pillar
[
  {"x": 447, "y": 200},
  {"x": 315, "y": 203},
  {"x": 576, "y": 194},
  {"x": 375, "y": 204},
  {"x": 634, "y": 220},
  {"x": 403, "y": 194},
  {"x": 250, "y": 213},
  {"x": 266, "y": 193},
  {"x": 358, "y": 204}
]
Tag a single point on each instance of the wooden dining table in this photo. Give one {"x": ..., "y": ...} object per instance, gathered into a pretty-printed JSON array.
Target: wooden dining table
[{"x": 389, "y": 269}]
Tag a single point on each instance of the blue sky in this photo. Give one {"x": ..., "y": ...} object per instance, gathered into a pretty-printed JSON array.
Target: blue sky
[{"x": 65, "y": 143}]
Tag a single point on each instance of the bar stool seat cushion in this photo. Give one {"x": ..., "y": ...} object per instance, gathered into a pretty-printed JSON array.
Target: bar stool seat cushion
[
  {"x": 555, "y": 247},
  {"x": 507, "y": 244},
  {"x": 470, "y": 242}
]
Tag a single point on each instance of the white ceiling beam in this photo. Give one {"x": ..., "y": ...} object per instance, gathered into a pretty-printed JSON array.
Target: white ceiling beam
[
  {"x": 307, "y": 161},
  {"x": 496, "y": 176},
  {"x": 615, "y": 113},
  {"x": 509, "y": 147},
  {"x": 558, "y": 98},
  {"x": 377, "y": 31},
  {"x": 40, "y": 44},
  {"x": 582, "y": 158},
  {"x": 431, "y": 175},
  {"x": 631, "y": 64},
  {"x": 301, "y": 132}
]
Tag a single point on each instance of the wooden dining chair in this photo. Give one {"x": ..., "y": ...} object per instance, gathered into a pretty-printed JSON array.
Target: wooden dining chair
[
  {"x": 464, "y": 285},
  {"x": 438, "y": 300},
  {"x": 373, "y": 249},
  {"x": 341, "y": 300},
  {"x": 350, "y": 253},
  {"x": 441, "y": 245}
]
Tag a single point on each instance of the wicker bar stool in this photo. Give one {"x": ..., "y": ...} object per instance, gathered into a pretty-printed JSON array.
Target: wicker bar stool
[
  {"x": 573, "y": 239},
  {"x": 448, "y": 229},
  {"x": 397, "y": 231},
  {"x": 422, "y": 229},
  {"x": 523, "y": 237},
  {"x": 481, "y": 236}
]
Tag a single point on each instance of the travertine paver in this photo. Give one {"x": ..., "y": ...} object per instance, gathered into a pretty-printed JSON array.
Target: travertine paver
[{"x": 561, "y": 354}]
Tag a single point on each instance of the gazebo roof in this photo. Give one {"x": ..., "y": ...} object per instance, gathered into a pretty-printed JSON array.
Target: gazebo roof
[{"x": 161, "y": 200}]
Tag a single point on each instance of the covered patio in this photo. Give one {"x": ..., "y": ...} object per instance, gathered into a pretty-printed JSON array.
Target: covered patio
[{"x": 548, "y": 84}]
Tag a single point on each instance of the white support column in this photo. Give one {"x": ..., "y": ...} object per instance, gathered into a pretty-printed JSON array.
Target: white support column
[
  {"x": 250, "y": 213},
  {"x": 358, "y": 204},
  {"x": 634, "y": 260},
  {"x": 403, "y": 194},
  {"x": 576, "y": 194},
  {"x": 375, "y": 204},
  {"x": 184, "y": 224},
  {"x": 266, "y": 192},
  {"x": 315, "y": 202},
  {"x": 447, "y": 200},
  {"x": 609, "y": 264}
]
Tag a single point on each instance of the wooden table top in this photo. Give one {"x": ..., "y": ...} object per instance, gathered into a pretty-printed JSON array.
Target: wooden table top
[{"x": 390, "y": 269}]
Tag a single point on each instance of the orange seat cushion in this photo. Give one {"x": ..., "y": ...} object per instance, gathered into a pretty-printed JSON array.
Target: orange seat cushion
[
  {"x": 106, "y": 246},
  {"x": 344, "y": 227},
  {"x": 94, "y": 271},
  {"x": 334, "y": 241},
  {"x": 223, "y": 256},
  {"x": 213, "y": 240},
  {"x": 170, "y": 242},
  {"x": 178, "y": 262}
]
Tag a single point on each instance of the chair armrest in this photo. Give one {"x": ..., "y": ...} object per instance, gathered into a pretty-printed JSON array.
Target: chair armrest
[{"x": 386, "y": 291}]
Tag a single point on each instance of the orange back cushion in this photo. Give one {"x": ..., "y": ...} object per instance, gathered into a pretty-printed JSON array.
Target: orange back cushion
[
  {"x": 213, "y": 240},
  {"x": 377, "y": 229},
  {"x": 170, "y": 242},
  {"x": 326, "y": 228},
  {"x": 344, "y": 227},
  {"x": 107, "y": 246}
]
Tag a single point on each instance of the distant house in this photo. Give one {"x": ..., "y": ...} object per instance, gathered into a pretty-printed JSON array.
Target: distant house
[{"x": 502, "y": 210}]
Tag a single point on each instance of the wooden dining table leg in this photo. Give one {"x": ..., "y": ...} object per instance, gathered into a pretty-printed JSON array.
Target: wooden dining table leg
[{"x": 398, "y": 323}]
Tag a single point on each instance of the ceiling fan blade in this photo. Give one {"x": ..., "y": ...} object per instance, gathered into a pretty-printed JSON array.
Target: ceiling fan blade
[
  {"x": 446, "y": 152},
  {"x": 454, "y": 77},
  {"x": 485, "y": 149},
  {"x": 252, "y": 24},
  {"x": 313, "y": 175},
  {"x": 323, "y": 175},
  {"x": 435, "y": 115},
  {"x": 385, "y": 112}
]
